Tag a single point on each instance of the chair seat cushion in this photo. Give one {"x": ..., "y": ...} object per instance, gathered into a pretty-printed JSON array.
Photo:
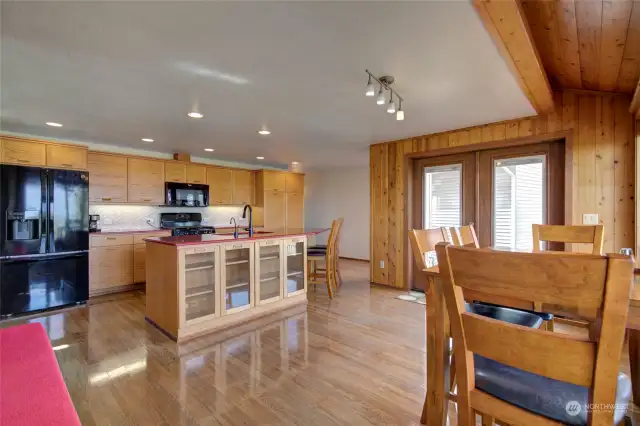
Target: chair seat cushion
[
  {"x": 544, "y": 315},
  {"x": 542, "y": 395},
  {"x": 316, "y": 253},
  {"x": 513, "y": 316},
  {"x": 317, "y": 247}
]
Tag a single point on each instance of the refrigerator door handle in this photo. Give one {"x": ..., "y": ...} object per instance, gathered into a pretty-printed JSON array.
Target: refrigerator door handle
[
  {"x": 50, "y": 256},
  {"x": 44, "y": 213}
]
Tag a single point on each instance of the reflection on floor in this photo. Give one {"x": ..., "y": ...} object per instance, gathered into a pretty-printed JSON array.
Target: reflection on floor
[{"x": 358, "y": 359}]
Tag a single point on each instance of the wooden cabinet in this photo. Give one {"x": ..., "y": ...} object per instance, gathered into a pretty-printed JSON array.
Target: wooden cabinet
[
  {"x": 237, "y": 277},
  {"x": 269, "y": 271},
  {"x": 139, "y": 254},
  {"x": 24, "y": 152},
  {"x": 295, "y": 266},
  {"x": 295, "y": 211},
  {"x": 146, "y": 181},
  {"x": 175, "y": 172},
  {"x": 243, "y": 187},
  {"x": 196, "y": 174},
  {"x": 220, "y": 183},
  {"x": 274, "y": 210},
  {"x": 107, "y": 240},
  {"x": 272, "y": 180},
  {"x": 110, "y": 267},
  {"x": 294, "y": 183},
  {"x": 68, "y": 157},
  {"x": 201, "y": 284},
  {"x": 107, "y": 178}
]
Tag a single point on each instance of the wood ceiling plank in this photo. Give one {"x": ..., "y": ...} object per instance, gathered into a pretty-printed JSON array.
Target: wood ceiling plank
[
  {"x": 504, "y": 21},
  {"x": 589, "y": 20},
  {"x": 615, "y": 24},
  {"x": 565, "y": 14},
  {"x": 630, "y": 66}
]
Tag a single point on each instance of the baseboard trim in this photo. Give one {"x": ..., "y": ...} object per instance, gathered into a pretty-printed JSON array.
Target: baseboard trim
[{"x": 353, "y": 258}]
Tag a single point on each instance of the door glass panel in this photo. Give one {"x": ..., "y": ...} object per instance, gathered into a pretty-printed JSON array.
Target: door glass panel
[
  {"x": 238, "y": 278},
  {"x": 295, "y": 267},
  {"x": 519, "y": 194},
  {"x": 442, "y": 196},
  {"x": 200, "y": 285},
  {"x": 269, "y": 272}
]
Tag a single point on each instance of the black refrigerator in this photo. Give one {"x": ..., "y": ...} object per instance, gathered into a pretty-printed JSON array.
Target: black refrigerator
[{"x": 44, "y": 239}]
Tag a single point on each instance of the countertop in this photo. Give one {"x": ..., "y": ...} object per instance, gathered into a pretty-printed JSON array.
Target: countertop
[
  {"x": 119, "y": 231},
  {"x": 217, "y": 238}
]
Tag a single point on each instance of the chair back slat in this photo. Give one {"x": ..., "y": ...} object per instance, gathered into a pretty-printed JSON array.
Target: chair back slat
[
  {"x": 574, "y": 280},
  {"x": 464, "y": 236},
  {"x": 423, "y": 241},
  {"x": 536, "y": 351},
  {"x": 580, "y": 234}
]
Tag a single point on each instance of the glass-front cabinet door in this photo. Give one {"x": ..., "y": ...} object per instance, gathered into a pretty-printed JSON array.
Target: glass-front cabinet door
[
  {"x": 295, "y": 261},
  {"x": 199, "y": 286},
  {"x": 269, "y": 271},
  {"x": 237, "y": 277}
]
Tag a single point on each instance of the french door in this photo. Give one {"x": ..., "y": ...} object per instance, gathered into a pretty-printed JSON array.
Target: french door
[{"x": 502, "y": 191}]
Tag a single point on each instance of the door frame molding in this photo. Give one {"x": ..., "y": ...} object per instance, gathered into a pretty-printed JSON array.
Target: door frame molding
[{"x": 411, "y": 159}]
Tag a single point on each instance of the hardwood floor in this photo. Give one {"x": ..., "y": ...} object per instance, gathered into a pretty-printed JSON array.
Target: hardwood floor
[{"x": 358, "y": 359}]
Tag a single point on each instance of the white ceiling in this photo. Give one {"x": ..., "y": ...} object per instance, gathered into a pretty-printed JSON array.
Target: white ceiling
[{"x": 115, "y": 72}]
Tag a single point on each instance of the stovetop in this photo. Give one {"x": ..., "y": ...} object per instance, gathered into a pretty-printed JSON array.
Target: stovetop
[{"x": 192, "y": 230}]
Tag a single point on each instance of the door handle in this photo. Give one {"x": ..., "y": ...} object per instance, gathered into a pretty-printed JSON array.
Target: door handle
[
  {"x": 23, "y": 161},
  {"x": 106, "y": 198},
  {"x": 66, "y": 164}
]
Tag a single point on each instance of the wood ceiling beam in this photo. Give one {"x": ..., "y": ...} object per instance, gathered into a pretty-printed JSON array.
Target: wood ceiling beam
[
  {"x": 505, "y": 22},
  {"x": 635, "y": 102}
]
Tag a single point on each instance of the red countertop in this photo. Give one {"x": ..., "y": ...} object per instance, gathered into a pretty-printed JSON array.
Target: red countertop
[
  {"x": 217, "y": 238},
  {"x": 130, "y": 231}
]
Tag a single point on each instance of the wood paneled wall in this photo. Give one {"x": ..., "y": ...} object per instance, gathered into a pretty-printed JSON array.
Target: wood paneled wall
[{"x": 602, "y": 178}]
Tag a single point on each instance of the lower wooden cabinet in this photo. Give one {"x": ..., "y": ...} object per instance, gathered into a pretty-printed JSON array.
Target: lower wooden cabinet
[
  {"x": 110, "y": 267},
  {"x": 139, "y": 263},
  {"x": 295, "y": 266},
  {"x": 269, "y": 271}
]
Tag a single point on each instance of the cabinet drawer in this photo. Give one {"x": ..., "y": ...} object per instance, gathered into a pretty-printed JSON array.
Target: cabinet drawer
[
  {"x": 139, "y": 238},
  {"x": 68, "y": 157},
  {"x": 268, "y": 243},
  {"x": 194, "y": 250},
  {"x": 23, "y": 152},
  {"x": 111, "y": 240}
]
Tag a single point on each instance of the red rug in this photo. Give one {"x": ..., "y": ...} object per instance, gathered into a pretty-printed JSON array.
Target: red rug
[{"x": 32, "y": 390}]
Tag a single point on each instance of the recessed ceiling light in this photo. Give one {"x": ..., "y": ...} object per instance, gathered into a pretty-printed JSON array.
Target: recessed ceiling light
[
  {"x": 195, "y": 115},
  {"x": 294, "y": 162},
  {"x": 264, "y": 132},
  {"x": 260, "y": 158},
  {"x": 53, "y": 124},
  {"x": 147, "y": 140},
  {"x": 209, "y": 149}
]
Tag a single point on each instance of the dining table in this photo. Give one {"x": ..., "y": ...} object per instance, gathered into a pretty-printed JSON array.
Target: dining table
[{"x": 439, "y": 347}]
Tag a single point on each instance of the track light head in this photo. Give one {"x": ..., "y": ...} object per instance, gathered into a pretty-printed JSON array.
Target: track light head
[
  {"x": 381, "y": 100},
  {"x": 370, "y": 91},
  {"x": 391, "y": 108}
]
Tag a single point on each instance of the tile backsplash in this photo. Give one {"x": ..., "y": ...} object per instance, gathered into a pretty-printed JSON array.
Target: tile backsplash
[{"x": 128, "y": 217}]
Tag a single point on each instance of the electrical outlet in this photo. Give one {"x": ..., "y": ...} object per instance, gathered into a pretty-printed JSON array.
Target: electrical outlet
[
  {"x": 107, "y": 221},
  {"x": 382, "y": 264},
  {"x": 589, "y": 219},
  {"x": 151, "y": 220}
]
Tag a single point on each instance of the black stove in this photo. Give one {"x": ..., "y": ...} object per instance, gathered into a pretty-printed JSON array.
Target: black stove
[{"x": 185, "y": 224}]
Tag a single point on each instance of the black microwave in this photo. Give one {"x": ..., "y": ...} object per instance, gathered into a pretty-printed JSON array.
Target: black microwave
[{"x": 186, "y": 194}]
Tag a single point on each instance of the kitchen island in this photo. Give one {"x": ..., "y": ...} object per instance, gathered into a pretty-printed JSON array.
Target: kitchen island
[{"x": 198, "y": 284}]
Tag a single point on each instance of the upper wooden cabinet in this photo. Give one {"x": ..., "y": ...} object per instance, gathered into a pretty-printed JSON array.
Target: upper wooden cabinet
[
  {"x": 273, "y": 180},
  {"x": 196, "y": 174},
  {"x": 175, "y": 172},
  {"x": 274, "y": 212},
  {"x": 25, "y": 152},
  {"x": 295, "y": 211},
  {"x": 107, "y": 178},
  {"x": 146, "y": 181},
  {"x": 68, "y": 157},
  {"x": 220, "y": 183},
  {"x": 294, "y": 183},
  {"x": 243, "y": 186}
]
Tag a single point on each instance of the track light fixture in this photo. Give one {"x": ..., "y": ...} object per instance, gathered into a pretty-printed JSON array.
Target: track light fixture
[{"x": 385, "y": 84}]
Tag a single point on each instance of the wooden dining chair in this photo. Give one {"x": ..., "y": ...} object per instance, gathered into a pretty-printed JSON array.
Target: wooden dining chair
[
  {"x": 327, "y": 275},
  {"x": 583, "y": 234},
  {"x": 423, "y": 243},
  {"x": 525, "y": 376}
]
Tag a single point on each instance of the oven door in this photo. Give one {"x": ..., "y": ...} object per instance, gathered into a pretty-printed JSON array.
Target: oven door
[
  {"x": 34, "y": 283},
  {"x": 186, "y": 194}
]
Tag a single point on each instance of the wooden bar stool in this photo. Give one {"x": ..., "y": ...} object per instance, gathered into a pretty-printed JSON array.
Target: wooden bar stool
[
  {"x": 328, "y": 274},
  {"x": 525, "y": 376}
]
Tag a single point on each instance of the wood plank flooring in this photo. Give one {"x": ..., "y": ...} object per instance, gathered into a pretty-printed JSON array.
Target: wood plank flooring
[{"x": 358, "y": 359}]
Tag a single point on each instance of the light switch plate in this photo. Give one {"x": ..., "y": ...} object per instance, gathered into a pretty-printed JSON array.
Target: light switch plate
[
  {"x": 590, "y": 219},
  {"x": 382, "y": 264}
]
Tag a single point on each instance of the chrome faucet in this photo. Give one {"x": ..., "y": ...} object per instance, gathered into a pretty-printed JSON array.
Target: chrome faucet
[
  {"x": 235, "y": 227},
  {"x": 244, "y": 216}
]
